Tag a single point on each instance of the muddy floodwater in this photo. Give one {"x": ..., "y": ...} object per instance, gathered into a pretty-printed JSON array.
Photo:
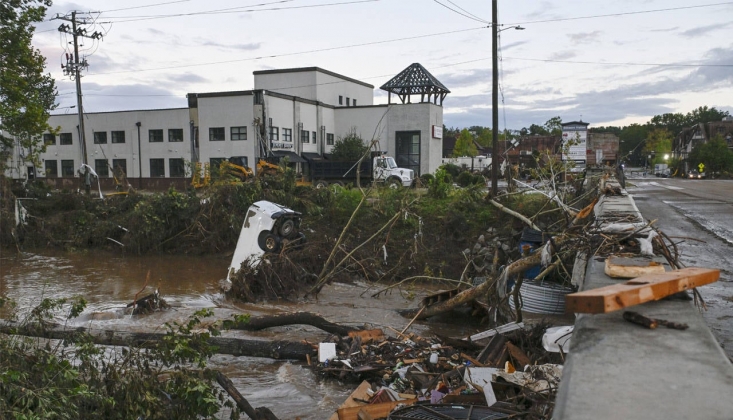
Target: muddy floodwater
[{"x": 109, "y": 282}]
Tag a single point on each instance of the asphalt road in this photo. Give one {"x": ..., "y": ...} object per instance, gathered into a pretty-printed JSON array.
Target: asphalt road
[{"x": 699, "y": 215}]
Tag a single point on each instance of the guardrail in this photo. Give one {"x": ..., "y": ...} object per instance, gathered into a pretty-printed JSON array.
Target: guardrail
[{"x": 618, "y": 370}]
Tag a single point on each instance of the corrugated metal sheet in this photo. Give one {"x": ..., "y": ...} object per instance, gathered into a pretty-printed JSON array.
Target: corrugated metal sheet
[{"x": 542, "y": 298}]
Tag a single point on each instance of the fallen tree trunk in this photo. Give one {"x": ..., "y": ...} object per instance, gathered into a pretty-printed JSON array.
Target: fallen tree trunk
[
  {"x": 475, "y": 292},
  {"x": 281, "y": 350},
  {"x": 304, "y": 318},
  {"x": 260, "y": 413}
]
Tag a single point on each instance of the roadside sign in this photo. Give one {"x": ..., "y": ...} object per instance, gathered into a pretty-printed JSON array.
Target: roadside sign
[{"x": 701, "y": 167}]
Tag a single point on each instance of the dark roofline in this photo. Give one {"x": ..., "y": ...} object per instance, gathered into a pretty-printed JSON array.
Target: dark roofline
[
  {"x": 218, "y": 94},
  {"x": 307, "y": 69},
  {"x": 75, "y": 115},
  {"x": 575, "y": 123}
]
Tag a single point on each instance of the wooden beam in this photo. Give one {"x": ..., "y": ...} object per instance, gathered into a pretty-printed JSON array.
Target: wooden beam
[{"x": 639, "y": 290}]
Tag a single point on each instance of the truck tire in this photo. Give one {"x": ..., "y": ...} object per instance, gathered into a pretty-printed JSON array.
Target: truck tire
[
  {"x": 394, "y": 183},
  {"x": 287, "y": 228},
  {"x": 269, "y": 242},
  {"x": 321, "y": 184}
]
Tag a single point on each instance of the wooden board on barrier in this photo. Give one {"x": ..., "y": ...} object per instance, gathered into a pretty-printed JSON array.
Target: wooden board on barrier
[{"x": 639, "y": 290}]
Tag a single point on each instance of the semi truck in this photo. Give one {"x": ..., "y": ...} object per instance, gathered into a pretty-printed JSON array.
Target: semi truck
[{"x": 381, "y": 168}]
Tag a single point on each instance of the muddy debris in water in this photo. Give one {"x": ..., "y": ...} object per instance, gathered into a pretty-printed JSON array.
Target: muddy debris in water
[{"x": 520, "y": 373}]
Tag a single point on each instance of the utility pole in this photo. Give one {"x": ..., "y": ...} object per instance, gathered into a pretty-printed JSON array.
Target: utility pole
[
  {"x": 73, "y": 68},
  {"x": 494, "y": 101}
]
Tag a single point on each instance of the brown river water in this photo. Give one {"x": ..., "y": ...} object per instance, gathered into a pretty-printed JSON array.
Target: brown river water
[{"x": 109, "y": 281}]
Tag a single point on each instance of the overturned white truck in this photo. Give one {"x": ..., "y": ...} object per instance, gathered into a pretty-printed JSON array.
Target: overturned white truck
[{"x": 267, "y": 227}]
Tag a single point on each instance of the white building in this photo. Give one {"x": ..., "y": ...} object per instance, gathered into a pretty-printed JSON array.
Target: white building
[{"x": 298, "y": 113}]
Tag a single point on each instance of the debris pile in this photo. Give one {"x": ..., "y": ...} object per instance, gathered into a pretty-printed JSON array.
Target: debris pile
[{"x": 512, "y": 368}]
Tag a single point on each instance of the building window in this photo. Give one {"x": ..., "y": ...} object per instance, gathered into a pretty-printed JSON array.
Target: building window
[
  {"x": 157, "y": 167},
  {"x": 52, "y": 169},
  {"x": 305, "y": 136},
  {"x": 176, "y": 168},
  {"x": 100, "y": 137},
  {"x": 101, "y": 168},
  {"x": 408, "y": 150},
  {"x": 119, "y": 166},
  {"x": 329, "y": 139},
  {"x": 353, "y": 102},
  {"x": 341, "y": 100},
  {"x": 67, "y": 167},
  {"x": 238, "y": 133},
  {"x": 49, "y": 139},
  {"x": 216, "y": 134},
  {"x": 65, "y": 139},
  {"x": 175, "y": 135},
  {"x": 287, "y": 134},
  {"x": 214, "y": 164},
  {"x": 239, "y": 160},
  {"x": 155, "y": 136},
  {"x": 347, "y": 101},
  {"x": 118, "y": 137},
  {"x": 314, "y": 137},
  {"x": 274, "y": 133}
]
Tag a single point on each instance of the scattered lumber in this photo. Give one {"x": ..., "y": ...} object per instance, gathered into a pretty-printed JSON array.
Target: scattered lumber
[{"x": 642, "y": 289}]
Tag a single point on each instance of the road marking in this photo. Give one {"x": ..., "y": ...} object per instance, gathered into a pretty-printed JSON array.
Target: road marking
[{"x": 669, "y": 187}]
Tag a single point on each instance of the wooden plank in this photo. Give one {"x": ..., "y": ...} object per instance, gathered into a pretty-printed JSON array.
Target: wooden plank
[
  {"x": 367, "y": 336},
  {"x": 629, "y": 268},
  {"x": 360, "y": 392},
  {"x": 377, "y": 411},
  {"x": 639, "y": 290}
]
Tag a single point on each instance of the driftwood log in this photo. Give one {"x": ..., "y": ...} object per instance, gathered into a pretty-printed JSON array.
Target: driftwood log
[
  {"x": 279, "y": 349},
  {"x": 475, "y": 292},
  {"x": 260, "y": 413},
  {"x": 303, "y": 318}
]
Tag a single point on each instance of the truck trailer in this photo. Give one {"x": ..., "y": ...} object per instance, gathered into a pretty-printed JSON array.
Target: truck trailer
[{"x": 381, "y": 168}]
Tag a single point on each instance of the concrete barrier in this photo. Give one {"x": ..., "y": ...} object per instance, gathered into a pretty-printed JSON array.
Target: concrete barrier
[{"x": 618, "y": 370}]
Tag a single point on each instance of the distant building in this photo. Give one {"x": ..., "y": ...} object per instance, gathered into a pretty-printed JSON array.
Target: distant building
[
  {"x": 701, "y": 133},
  {"x": 296, "y": 113}
]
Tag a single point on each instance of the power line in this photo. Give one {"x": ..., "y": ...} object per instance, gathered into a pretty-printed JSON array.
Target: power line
[
  {"x": 621, "y": 13},
  {"x": 619, "y": 63},
  {"x": 460, "y": 13},
  {"x": 125, "y": 19},
  {"x": 482, "y": 20},
  {"x": 145, "y": 6},
  {"x": 292, "y": 53}
]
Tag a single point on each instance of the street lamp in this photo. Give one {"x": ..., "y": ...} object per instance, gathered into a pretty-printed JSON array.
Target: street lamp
[{"x": 495, "y": 96}]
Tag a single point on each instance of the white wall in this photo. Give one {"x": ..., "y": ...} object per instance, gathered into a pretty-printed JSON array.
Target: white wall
[
  {"x": 331, "y": 87},
  {"x": 121, "y": 121},
  {"x": 300, "y": 84},
  {"x": 396, "y": 117},
  {"x": 226, "y": 111}
]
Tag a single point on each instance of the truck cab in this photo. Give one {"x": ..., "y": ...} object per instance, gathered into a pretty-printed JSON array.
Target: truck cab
[{"x": 385, "y": 169}]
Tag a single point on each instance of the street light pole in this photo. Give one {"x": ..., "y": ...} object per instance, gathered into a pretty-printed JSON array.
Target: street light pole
[
  {"x": 495, "y": 97},
  {"x": 494, "y": 101}
]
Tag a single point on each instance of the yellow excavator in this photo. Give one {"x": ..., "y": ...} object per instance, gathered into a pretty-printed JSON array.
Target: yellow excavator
[{"x": 231, "y": 173}]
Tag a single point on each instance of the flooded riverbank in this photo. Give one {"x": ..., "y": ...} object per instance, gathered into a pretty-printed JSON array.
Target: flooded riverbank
[{"x": 109, "y": 282}]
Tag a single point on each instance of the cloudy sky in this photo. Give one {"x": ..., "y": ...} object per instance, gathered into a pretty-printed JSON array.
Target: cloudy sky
[{"x": 607, "y": 63}]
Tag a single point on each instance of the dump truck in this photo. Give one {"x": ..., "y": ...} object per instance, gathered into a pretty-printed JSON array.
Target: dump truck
[{"x": 380, "y": 168}]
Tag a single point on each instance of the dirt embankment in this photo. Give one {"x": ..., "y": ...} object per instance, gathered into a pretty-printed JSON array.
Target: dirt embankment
[{"x": 421, "y": 235}]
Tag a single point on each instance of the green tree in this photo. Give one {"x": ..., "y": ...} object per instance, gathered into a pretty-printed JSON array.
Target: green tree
[
  {"x": 659, "y": 143},
  {"x": 349, "y": 147},
  {"x": 465, "y": 145},
  {"x": 714, "y": 154},
  {"x": 704, "y": 114},
  {"x": 553, "y": 126},
  {"x": 26, "y": 93}
]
